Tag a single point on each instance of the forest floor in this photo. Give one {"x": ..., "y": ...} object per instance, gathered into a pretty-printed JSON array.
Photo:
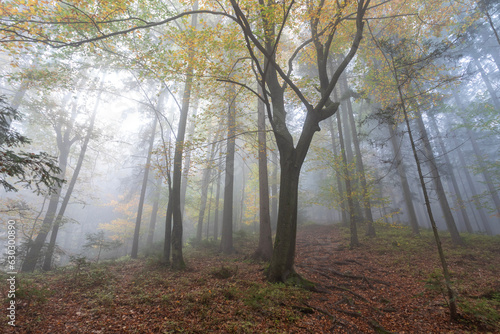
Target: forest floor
[{"x": 391, "y": 284}]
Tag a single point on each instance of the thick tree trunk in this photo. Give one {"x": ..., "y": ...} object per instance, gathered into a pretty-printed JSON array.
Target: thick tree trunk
[
  {"x": 135, "y": 241},
  {"x": 401, "y": 169},
  {"x": 286, "y": 231}
]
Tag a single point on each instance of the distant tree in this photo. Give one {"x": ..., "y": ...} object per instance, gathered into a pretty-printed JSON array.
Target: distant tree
[
  {"x": 135, "y": 242},
  {"x": 99, "y": 242},
  {"x": 31, "y": 170}
]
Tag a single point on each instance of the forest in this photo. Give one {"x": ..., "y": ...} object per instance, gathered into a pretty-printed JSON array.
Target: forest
[{"x": 243, "y": 166}]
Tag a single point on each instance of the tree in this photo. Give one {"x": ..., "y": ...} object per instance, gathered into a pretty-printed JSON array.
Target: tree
[
  {"x": 65, "y": 136},
  {"x": 135, "y": 242},
  {"x": 265, "y": 247},
  {"x": 47, "y": 264},
  {"x": 226, "y": 243},
  {"x": 401, "y": 169},
  {"x": 177, "y": 257},
  {"x": 31, "y": 170},
  {"x": 98, "y": 241},
  {"x": 263, "y": 30}
]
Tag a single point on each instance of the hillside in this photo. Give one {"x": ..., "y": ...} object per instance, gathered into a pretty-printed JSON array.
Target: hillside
[{"x": 390, "y": 284}]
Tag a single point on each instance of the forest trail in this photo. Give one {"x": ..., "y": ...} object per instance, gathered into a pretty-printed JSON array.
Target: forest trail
[{"x": 384, "y": 286}]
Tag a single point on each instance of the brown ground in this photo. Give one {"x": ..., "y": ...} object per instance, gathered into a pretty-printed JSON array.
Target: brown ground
[{"x": 377, "y": 288}]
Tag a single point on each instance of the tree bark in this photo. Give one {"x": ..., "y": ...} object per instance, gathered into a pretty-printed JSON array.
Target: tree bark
[
  {"x": 187, "y": 159},
  {"x": 340, "y": 185},
  {"x": 154, "y": 214},
  {"x": 226, "y": 244},
  {"x": 274, "y": 189},
  {"x": 135, "y": 241},
  {"x": 284, "y": 246},
  {"x": 265, "y": 248},
  {"x": 347, "y": 179},
  {"x": 204, "y": 191},
  {"x": 217, "y": 209},
  {"x": 167, "y": 244}
]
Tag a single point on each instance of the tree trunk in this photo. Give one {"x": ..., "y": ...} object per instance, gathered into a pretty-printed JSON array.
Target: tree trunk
[
  {"x": 217, "y": 209},
  {"x": 135, "y": 241},
  {"x": 451, "y": 294},
  {"x": 226, "y": 245},
  {"x": 64, "y": 144},
  {"x": 274, "y": 189},
  {"x": 472, "y": 187},
  {"x": 154, "y": 214},
  {"x": 401, "y": 169},
  {"x": 340, "y": 185},
  {"x": 167, "y": 244},
  {"x": 187, "y": 159},
  {"x": 284, "y": 245},
  {"x": 242, "y": 202},
  {"x": 370, "y": 230},
  {"x": 210, "y": 197},
  {"x": 436, "y": 179},
  {"x": 347, "y": 179},
  {"x": 451, "y": 174},
  {"x": 265, "y": 248},
  {"x": 204, "y": 191},
  {"x": 353, "y": 177}
]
